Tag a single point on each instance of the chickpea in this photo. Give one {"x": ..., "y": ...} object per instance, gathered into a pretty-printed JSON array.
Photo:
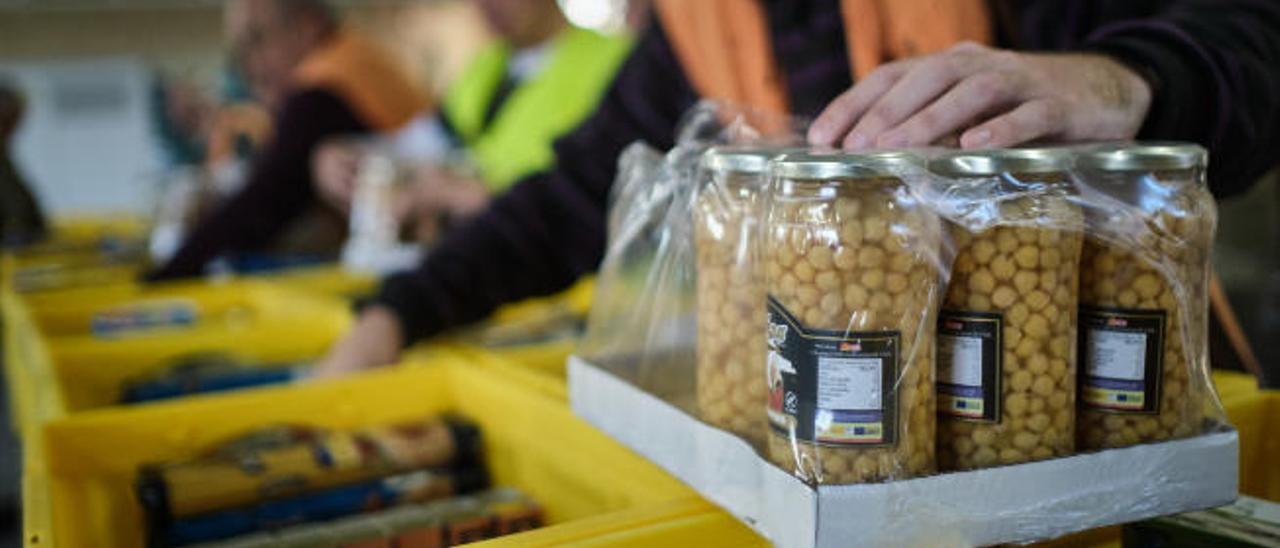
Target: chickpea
[
  {"x": 1021, "y": 271},
  {"x": 821, "y": 258},
  {"x": 828, "y": 281},
  {"x": 982, "y": 282},
  {"x": 886, "y": 282},
  {"x": 1027, "y": 257},
  {"x": 1004, "y": 297},
  {"x": 1179, "y": 409},
  {"x": 845, "y": 258},
  {"x": 1025, "y": 281},
  {"x": 1172, "y": 253},
  {"x": 731, "y": 304},
  {"x": 983, "y": 251},
  {"x": 1003, "y": 268}
]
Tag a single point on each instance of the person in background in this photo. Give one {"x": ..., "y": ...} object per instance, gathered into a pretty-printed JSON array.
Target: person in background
[
  {"x": 21, "y": 221},
  {"x": 320, "y": 81},
  {"x": 199, "y": 129},
  {"x": 181, "y": 116},
  {"x": 875, "y": 73},
  {"x": 538, "y": 79}
]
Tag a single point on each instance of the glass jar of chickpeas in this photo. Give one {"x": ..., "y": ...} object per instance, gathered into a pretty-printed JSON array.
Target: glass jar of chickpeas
[
  {"x": 1007, "y": 332},
  {"x": 731, "y": 310},
  {"x": 1143, "y": 296},
  {"x": 853, "y": 276}
]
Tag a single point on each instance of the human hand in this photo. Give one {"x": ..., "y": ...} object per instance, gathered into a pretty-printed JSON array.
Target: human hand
[
  {"x": 990, "y": 98},
  {"x": 436, "y": 194},
  {"x": 374, "y": 341},
  {"x": 334, "y": 167}
]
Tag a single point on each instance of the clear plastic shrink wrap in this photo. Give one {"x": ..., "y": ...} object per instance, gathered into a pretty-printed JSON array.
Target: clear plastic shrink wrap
[
  {"x": 795, "y": 299},
  {"x": 731, "y": 304},
  {"x": 643, "y": 324},
  {"x": 1144, "y": 295},
  {"x": 854, "y": 268},
  {"x": 1007, "y": 331}
]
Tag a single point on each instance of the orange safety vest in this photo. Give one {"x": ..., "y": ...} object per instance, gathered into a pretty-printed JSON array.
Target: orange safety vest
[
  {"x": 726, "y": 51},
  {"x": 373, "y": 85}
]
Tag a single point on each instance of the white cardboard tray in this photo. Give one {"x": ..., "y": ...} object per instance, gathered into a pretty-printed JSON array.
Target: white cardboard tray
[{"x": 1020, "y": 503}]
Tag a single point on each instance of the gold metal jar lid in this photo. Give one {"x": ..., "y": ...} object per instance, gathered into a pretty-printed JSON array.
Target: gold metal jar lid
[
  {"x": 1143, "y": 157},
  {"x": 988, "y": 163},
  {"x": 741, "y": 159},
  {"x": 841, "y": 165}
]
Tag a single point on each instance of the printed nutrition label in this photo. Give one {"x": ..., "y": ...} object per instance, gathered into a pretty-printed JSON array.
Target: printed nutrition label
[
  {"x": 1117, "y": 355},
  {"x": 969, "y": 365},
  {"x": 849, "y": 384},
  {"x": 1122, "y": 351},
  {"x": 832, "y": 387},
  {"x": 960, "y": 360}
]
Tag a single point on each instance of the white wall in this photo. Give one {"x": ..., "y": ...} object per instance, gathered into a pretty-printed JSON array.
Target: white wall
[{"x": 86, "y": 143}]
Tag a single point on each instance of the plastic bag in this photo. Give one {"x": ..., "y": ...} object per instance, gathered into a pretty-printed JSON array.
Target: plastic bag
[{"x": 643, "y": 321}]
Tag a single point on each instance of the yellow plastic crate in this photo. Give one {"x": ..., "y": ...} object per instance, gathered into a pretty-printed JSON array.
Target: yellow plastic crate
[
  {"x": 86, "y": 236},
  {"x": 53, "y": 376},
  {"x": 89, "y": 372},
  {"x": 74, "y": 255},
  {"x": 93, "y": 227},
  {"x": 587, "y": 483},
  {"x": 58, "y": 274},
  {"x": 686, "y": 522},
  {"x": 73, "y": 310},
  {"x": 22, "y": 348},
  {"x": 542, "y": 380},
  {"x": 546, "y": 358},
  {"x": 97, "y": 310},
  {"x": 1256, "y": 414}
]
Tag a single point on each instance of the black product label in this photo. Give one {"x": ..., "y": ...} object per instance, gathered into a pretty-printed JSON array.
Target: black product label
[
  {"x": 970, "y": 365},
  {"x": 831, "y": 387},
  {"x": 1123, "y": 353}
]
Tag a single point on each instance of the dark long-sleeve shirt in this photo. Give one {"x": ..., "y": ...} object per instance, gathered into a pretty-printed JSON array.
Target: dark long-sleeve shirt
[
  {"x": 1215, "y": 66},
  {"x": 279, "y": 187}
]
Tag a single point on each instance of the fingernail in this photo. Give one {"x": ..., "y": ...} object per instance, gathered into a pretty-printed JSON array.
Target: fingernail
[
  {"x": 979, "y": 138},
  {"x": 819, "y": 135},
  {"x": 857, "y": 141}
]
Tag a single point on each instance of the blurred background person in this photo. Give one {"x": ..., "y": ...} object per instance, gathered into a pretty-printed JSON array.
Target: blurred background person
[
  {"x": 320, "y": 81},
  {"x": 21, "y": 220},
  {"x": 199, "y": 128},
  {"x": 537, "y": 79}
]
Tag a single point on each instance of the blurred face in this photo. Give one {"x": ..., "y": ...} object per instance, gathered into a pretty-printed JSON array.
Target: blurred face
[
  {"x": 267, "y": 47},
  {"x": 521, "y": 22}
]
